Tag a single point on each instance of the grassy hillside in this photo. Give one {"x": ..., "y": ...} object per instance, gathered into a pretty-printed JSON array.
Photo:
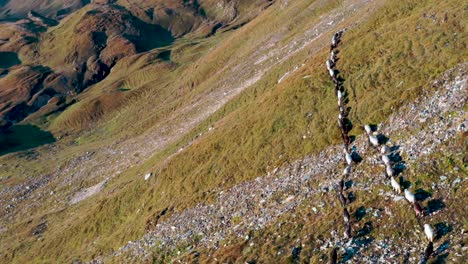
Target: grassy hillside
[{"x": 391, "y": 51}]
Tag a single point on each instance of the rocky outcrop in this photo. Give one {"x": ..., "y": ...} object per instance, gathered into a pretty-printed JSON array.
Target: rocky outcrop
[{"x": 117, "y": 48}]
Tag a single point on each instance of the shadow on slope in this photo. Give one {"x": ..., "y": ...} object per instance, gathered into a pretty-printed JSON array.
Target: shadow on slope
[
  {"x": 9, "y": 59},
  {"x": 23, "y": 137}
]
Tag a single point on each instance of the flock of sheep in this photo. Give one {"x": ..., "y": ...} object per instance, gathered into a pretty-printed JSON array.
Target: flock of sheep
[
  {"x": 345, "y": 126},
  {"x": 396, "y": 186}
]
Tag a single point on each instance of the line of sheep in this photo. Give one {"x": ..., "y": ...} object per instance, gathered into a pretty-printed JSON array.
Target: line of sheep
[
  {"x": 345, "y": 126},
  {"x": 386, "y": 153}
]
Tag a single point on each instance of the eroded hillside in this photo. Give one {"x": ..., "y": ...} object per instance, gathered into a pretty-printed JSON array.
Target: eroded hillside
[{"x": 205, "y": 131}]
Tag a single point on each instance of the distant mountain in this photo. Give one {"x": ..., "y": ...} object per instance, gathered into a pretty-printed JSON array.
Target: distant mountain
[
  {"x": 88, "y": 43},
  {"x": 18, "y": 9}
]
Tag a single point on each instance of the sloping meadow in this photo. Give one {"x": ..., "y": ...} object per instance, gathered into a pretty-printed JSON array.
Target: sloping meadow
[{"x": 387, "y": 60}]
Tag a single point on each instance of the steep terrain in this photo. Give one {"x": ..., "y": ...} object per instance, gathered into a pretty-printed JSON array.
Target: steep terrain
[
  {"x": 84, "y": 47},
  {"x": 205, "y": 131}
]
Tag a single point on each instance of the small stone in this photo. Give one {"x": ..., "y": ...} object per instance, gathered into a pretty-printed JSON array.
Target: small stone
[
  {"x": 443, "y": 178},
  {"x": 148, "y": 175},
  {"x": 456, "y": 181},
  {"x": 290, "y": 198}
]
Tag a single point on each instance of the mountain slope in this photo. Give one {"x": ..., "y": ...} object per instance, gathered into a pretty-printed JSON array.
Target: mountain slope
[
  {"x": 12, "y": 9},
  {"x": 212, "y": 111}
]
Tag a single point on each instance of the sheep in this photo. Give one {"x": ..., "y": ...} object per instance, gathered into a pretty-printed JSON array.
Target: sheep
[
  {"x": 429, "y": 232},
  {"x": 417, "y": 209},
  {"x": 347, "y": 170},
  {"x": 386, "y": 160},
  {"x": 429, "y": 250},
  {"x": 341, "y": 109},
  {"x": 340, "y": 122},
  {"x": 384, "y": 149},
  {"x": 348, "y": 158},
  {"x": 341, "y": 185},
  {"x": 340, "y": 102},
  {"x": 374, "y": 140},
  {"x": 340, "y": 116},
  {"x": 395, "y": 185},
  {"x": 334, "y": 40},
  {"x": 410, "y": 196},
  {"x": 390, "y": 171},
  {"x": 329, "y": 64},
  {"x": 368, "y": 129},
  {"x": 331, "y": 72},
  {"x": 346, "y": 139},
  {"x": 346, "y": 215},
  {"x": 333, "y": 56},
  {"x": 347, "y": 232},
  {"x": 339, "y": 94},
  {"x": 342, "y": 199}
]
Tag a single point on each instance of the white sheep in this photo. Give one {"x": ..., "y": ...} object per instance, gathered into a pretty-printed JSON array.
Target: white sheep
[
  {"x": 334, "y": 39},
  {"x": 331, "y": 72},
  {"x": 410, "y": 196},
  {"x": 368, "y": 129},
  {"x": 347, "y": 170},
  {"x": 340, "y": 122},
  {"x": 386, "y": 160},
  {"x": 339, "y": 94},
  {"x": 374, "y": 140},
  {"x": 395, "y": 185},
  {"x": 429, "y": 232},
  {"x": 329, "y": 64},
  {"x": 390, "y": 171},
  {"x": 384, "y": 149},
  {"x": 348, "y": 158}
]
